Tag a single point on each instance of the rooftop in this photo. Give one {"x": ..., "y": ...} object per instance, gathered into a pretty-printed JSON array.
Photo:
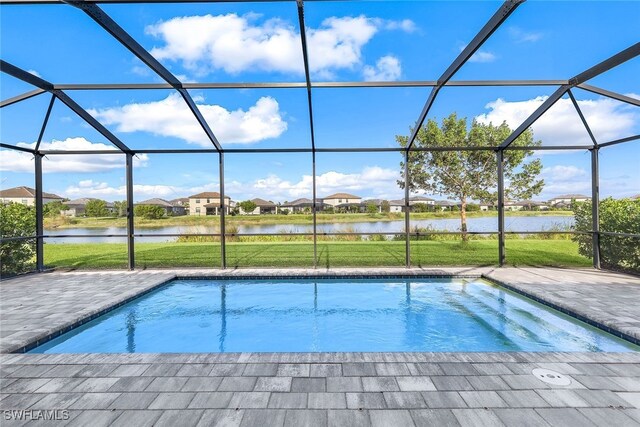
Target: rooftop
[
  {"x": 28, "y": 192},
  {"x": 342, "y": 196}
]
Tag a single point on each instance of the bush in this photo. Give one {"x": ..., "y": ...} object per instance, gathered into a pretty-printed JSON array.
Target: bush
[
  {"x": 17, "y": 256},
  {"x": 96, "y": 208},
  {"x": 52, "y": 209},
  {"x": 616, "y": 216},
  {"x": 149, "y": 211}
]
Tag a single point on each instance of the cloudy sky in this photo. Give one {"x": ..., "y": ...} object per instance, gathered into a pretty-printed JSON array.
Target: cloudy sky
[{"x": 351, "y": 41}]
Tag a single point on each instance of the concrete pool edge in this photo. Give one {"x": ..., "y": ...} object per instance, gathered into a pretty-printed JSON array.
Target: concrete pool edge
[{"x": 162, "y": 279}]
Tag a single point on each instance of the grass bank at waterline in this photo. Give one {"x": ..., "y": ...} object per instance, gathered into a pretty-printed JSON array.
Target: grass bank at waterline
[
  {"x": 65, "y": 222},
  {"x": 330, "y": 254}
]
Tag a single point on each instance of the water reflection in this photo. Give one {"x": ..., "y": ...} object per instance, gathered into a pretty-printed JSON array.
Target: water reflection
[{"x": 484, "y": 224}]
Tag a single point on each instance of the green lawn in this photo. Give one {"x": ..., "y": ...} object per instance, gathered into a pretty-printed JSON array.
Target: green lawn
[{"x": 330, "y": 254}]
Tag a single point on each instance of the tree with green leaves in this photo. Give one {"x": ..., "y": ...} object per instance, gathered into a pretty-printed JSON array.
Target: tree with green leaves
[
  {"x": 616, "y": 216},
  {"x": 149, "y": 211},
  {"x": 53, "y": 209},
  {"x": 471, "y": 174},
  {"x": 96, "y": 208},
  {"x": 385, "y": 206},
  {"x": 372, "y": 208},
  {"x": 248, "y": 206},
  {"x": 17, "y": 256},
  {"x": 120, "y": 208}
]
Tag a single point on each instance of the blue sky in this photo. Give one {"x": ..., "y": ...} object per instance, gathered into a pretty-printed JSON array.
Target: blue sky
[{"x": 348, "y": 41}]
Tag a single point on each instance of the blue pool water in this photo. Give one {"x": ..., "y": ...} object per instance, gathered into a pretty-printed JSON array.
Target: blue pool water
[{"x": 332, "y": 315}]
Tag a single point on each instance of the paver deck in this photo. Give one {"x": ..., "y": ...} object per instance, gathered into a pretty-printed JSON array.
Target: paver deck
[{"x": 265, "y": 389}]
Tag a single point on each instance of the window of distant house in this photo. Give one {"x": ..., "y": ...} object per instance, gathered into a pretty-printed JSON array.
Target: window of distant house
[
  {"x": 197, "y": 200},
  {"x": 197, "y": 210},
  {"x": 24, "y": 201},
  {"x": 339, "y": 200},
  {"x": 208, "y": 200}
]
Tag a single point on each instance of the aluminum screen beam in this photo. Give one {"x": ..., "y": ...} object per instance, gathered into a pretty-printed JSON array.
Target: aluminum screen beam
[
  {"x": 548, "y": 103},
  {"x": 620, "y": 141},
  {"x": 106, "y": 22},
  {"x": 15, "y": 147},
  {"x": 45, "y": 122},
  {"x": 27, "y": 77},
  {"x": 595, "y": 207},
  {"x": 582, "y": 118},
  {"x": 610, "y": 94},
  {"x": 21, "y": 97},
  {"x": 305, "y": 59},
  {"x": 609, "y": 63},
  {"x": 507, "y": 8},
  {"x": 61, "y": 2},
  {"x": 302, "y": 85},
  {"x": 319, "y": 150}
]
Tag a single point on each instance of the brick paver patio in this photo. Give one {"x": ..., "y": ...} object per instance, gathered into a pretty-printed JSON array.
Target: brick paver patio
[{"x": 296, "y": 389}]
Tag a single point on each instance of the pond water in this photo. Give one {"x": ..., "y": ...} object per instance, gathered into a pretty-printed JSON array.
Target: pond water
[{"x": 484, "y": 224}]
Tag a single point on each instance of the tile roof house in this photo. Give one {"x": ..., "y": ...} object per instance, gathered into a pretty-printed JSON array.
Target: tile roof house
[
  {"x": 181, "y": 201},
  {"x": 26, "y": 196},
  {"x": 421, "y": 199},
  {"x": 170, "y": 208},
  {"x": 77, "y": 207},
  {"x": 566, "y": 199},
  {"x": 396, "y": 206},
  {"x": 300, "y": 205},
  {"x": 208, "y": 203},
  {"x": 344, "y": 199},
  {"x": 262, "y": 207}
]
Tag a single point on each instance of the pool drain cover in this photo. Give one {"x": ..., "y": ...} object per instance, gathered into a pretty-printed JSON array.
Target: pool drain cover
[{"x": 551, "y": 377}]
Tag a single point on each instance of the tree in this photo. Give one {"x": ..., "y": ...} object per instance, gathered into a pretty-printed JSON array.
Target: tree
[
  {"x": 96, "y": 208},
  {"x": 53, "y": 209},
  {"x": 120, "y": 208},
  {"x": 386, "y": 206},
  {"x": 149, "y": 211},
  {"x": 372, "y": 208},
  {"x": 470, "y": 175},
  {"x": 17, "y": 220},
  {"x": 616, "y": 216},
  {"x": 420, "y": 207},
  {"x": 248, "y": 206}
]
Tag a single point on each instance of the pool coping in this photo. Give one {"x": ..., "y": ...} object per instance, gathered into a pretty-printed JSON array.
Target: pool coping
[{"x": 320, "y": 275}]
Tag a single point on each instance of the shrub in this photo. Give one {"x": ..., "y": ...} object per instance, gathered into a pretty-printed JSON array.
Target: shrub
[
  {"x": 52, "y": 209},
  {"x": 149, "y": 211},
  {"x": 17, "y": 256},
  {"x": 616, "y": 216},
  {"x": 96, "y": 208}
]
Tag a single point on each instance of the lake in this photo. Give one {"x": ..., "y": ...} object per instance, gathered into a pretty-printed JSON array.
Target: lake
[{"x": 515, "y": 223}]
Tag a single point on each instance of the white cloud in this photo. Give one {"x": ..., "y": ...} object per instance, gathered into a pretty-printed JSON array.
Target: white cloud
[
  {"x": 171, "y": 117},
  {"x": 34, "y": 72},
  {"x": 565, "y": 179},
  {"x": 236, "y": 43},
  {"x": 561, "y": 125},
  {"x": 406, "y": 25},
  {"x": 482, "y": 56},
  {"x": 16, "y": 161},
  {"x": 387, "y": 69},
  {"x": 103, "y": 190},
  {"x": 519, "y": 35},
  {"x": 370, "y": 182}
]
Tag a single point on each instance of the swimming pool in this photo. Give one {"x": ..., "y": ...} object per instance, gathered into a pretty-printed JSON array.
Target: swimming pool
[{"x": 358, "y": 315}]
